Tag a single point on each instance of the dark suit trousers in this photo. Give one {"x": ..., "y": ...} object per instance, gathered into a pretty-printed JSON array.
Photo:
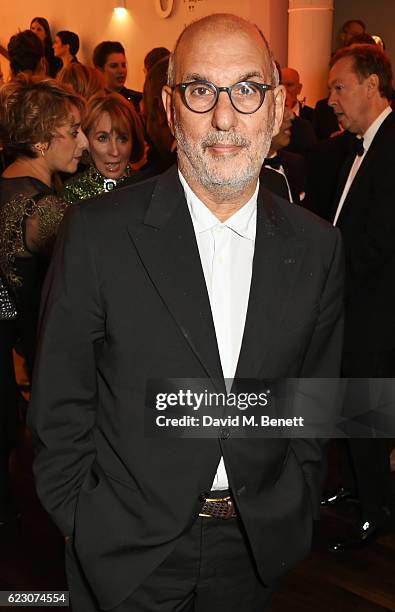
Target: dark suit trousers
[
  {"x": 369, "y": 457},
  {"x": 210, "y": 569}
]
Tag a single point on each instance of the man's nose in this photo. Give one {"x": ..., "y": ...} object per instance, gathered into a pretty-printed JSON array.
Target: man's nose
[
  {"x": 224, "y": 116},
  {"x": 332, "y": 98}
]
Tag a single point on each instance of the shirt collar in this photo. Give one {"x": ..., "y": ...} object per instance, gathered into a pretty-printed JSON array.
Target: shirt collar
[
  {"x": 374, "y": 128},
  {"x": 296, "y": 108},
  {"x": 242, "y": 222}
]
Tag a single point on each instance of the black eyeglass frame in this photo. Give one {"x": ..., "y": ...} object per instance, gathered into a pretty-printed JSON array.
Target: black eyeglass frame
[{"x": 263, "y": 88}]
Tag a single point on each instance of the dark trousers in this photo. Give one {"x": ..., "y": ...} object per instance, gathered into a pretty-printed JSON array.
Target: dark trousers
[
  {"x": 369, "y": 457},
  {"x": 210, "y": 570}
]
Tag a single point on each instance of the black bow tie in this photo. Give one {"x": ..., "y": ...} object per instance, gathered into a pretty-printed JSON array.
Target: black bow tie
[
  {"x": 273, "y": 162},
  {"x": 358, "y": 146}
]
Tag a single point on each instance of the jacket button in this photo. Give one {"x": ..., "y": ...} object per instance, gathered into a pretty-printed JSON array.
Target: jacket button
[{"x": 224, "y": 433}]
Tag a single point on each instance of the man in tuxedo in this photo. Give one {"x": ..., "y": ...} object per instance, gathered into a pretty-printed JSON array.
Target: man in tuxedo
[
  {"x": 291, "y": 80},
  {"x": 282, "y": 172},
  {"x": 194, "y": 274},
  {"x": 302, "y": 134},
  {"x": 360, "y": 83},
  {"x": 325, "y": 122},
  {"x": 349, "y": 29}
]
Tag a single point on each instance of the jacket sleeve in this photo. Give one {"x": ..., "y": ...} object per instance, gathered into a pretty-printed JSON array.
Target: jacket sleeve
[
  {"x": 64, "y": 396},
  {"x": 322, "y": 363}
]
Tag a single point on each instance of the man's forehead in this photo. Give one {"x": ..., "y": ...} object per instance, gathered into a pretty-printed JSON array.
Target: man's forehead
[
  {"x": 342, "y": 68},
  {"x": 354, "y": 28},
  {"x": 289, "y": 75},
  {"x": 239, "y": 52}
]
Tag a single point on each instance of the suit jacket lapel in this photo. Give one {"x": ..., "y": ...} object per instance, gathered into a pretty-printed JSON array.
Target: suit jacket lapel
[
  {"x": 375, "y": 147},
  {"x": 343, "y": 176},
  {"x": 167, "y": 247},
  {"x": 277, "y": 258}
]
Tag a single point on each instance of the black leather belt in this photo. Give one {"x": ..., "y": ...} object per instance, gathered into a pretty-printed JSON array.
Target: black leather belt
[{"x": 218, "y": 507}]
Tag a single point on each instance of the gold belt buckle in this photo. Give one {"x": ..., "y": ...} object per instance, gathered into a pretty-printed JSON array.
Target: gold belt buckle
[{"x": 214, "y": 500}]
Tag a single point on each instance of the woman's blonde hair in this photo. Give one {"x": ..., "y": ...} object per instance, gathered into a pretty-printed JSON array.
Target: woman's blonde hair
[
  {"x": 84, "y": 80},
  {"x": 30, "y": 111}
]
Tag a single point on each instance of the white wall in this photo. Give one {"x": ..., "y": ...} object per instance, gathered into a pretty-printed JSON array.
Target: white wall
[{"x": 141, "y": 29}]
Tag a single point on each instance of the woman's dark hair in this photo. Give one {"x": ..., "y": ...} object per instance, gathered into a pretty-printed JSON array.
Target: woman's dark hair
[
  {"x": 25, "y": 50},
  {"x": 154, "y": 81},
  {"x": 103, "y": 50},
  {"x": 154, "y": 56},
  {"x": 31, "y": 109},
  {"x": 71, "y": 39},
  {"x": 48, "y": 38}
]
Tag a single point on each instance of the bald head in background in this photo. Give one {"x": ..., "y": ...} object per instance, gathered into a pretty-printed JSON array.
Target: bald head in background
[{"x": 291, "y": 80}]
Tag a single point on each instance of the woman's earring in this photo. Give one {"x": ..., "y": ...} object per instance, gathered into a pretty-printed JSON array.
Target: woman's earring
[{"x": 40, "y": 148}]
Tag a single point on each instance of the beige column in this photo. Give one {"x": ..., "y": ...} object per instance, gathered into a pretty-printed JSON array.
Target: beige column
[
  {"x": 272, "y": 18},
  {"x": 309, "y": 45}
]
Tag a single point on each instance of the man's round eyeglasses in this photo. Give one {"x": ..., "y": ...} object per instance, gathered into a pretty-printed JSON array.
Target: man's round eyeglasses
[{"x": 201, "y": 96}]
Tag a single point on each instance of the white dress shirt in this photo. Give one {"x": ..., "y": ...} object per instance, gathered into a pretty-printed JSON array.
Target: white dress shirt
[
  {"x": 367, "y": 141},
  {"x": 226, "y": 253}
]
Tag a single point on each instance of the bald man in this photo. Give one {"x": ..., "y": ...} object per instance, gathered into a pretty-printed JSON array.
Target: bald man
[
  {"x": 196, "y": 275},
  {"x": 291, "y": 80}
]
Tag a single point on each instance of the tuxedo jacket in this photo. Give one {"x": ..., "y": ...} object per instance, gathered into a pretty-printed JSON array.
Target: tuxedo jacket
[
  {"x": 302, "y": 137},
  {"x": 295, "y": 169},
  {"x": 367, "y": 224},
  {"x": 306, "y": 112},
  {"x": 324, "y": 167},
  {"x": 125, "y": 302},
  {"x": 324, "y": 120}
]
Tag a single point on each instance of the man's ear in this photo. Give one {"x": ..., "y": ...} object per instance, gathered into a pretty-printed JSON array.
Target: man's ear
[
  {"x": 279, "y": 103},
  {"x": 299, "y": 88},
  {"x": 373, "y": 84},
  {"x": 167, "y": 99}
]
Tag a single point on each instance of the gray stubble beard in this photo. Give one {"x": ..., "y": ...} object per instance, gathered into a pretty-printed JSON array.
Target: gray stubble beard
[{"x": 194, "y": 167}]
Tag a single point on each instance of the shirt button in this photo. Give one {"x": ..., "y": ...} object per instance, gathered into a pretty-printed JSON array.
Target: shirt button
[{"x": 224, "y": 433}]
